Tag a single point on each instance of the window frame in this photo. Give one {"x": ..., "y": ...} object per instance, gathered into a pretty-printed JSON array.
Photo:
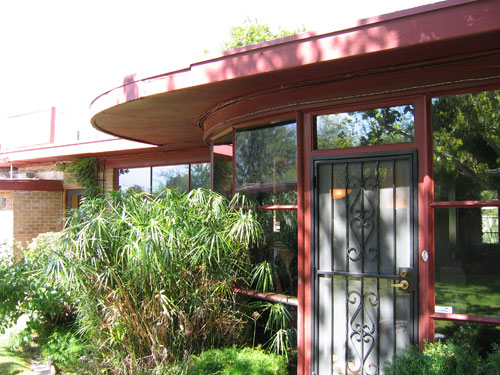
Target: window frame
[
  {"x": 454, "y": 317},
  {"x": 164, "y": 165},
  {"x": 271, "y": 296}
]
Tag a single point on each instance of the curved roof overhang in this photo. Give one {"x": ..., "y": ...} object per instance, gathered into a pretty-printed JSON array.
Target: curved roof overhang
[{"x": 453, "y": 44}]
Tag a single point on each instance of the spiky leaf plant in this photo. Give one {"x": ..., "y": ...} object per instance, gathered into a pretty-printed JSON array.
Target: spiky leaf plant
[{"x": 153, "y": 274}]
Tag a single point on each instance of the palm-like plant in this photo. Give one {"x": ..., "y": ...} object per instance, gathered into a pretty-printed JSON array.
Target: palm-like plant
[{"x": 153, "y": 274}]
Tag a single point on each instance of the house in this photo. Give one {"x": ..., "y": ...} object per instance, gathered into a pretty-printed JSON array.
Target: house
[
  {"x": 381, "y": 140},
  {"x": 35, "y": 193}
]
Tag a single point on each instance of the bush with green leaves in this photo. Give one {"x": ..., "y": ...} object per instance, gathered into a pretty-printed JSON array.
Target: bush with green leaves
[
  {"x": 234, "y": 361},
  {"x": 153, "y": 273},
  {"x": 67, "y": 350},
  {"x": 447, "y": 358},
  {"x": 25, "y": 289}
]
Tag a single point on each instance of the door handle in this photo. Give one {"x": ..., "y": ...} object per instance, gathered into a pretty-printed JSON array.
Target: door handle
[{"x": 402, "y": 285}]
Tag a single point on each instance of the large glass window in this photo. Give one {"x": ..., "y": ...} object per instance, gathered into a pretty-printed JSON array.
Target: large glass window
[
  {"x": 171, "y": 177},
  {"x": 266, "y": 170},
  {"x": 223, "y": 169},
  {"x": 138, "y": 179},
  {"x": 369, "y": 127},
  {"x": 200, "y": 176},
  {"x": 266, "y": 161},
  {"x": 152, "y": 179},
  {"x": 466, "y": 136}
]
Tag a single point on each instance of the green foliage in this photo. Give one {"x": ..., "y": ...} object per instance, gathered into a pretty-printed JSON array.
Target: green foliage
[
  {"x": 153, "y": 273},
  {"x": 234, "y": 361},
  {"x": 24, "y": 288},
  {"x": 83, "y": 171},
  {"x": 66, "y": 349},
  {"x": 253, "y": 32},
  {"x": 366, "y": 128},
  {"x": 450, "y": 358},
  {"x": 492, "y": 366},
  {"x": 466, "y": 130}
]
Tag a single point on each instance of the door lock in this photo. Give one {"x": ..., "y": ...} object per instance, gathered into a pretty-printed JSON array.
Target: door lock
[{"x": 404, "y": 284}]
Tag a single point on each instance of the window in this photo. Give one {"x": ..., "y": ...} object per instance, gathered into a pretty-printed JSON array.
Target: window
[
  {"x": 152, "y": 179},
  {"x": 466, "y": 136},
  {"x": 370, "y": 127},
  {"x": 171, "y": 177},
  {"x": 266, "y": 163},
  {"x": 266, "y": 171},
  {"x": 138, "y": 179}
]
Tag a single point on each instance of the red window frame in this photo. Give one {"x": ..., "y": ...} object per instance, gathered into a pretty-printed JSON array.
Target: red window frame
[{"x": 463, "y": 318}]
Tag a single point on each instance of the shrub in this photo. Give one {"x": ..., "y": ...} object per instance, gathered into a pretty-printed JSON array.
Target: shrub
[
  {"x": 66, "y": 349},
  {"x": 25, "y": 289},
  {"x": 492, "y": 366},
  {"x": 436, "y": 359},
  {"x": 153, "y": 274},
  {"x": 233, "y": 361}
]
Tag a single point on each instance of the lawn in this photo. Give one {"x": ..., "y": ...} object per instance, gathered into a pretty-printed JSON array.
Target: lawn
[
  {"x": 12, "y": 362},
  {"x": 471, "y": 294}
]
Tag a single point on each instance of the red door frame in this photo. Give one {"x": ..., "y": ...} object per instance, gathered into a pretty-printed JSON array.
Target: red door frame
[{"x": 423, "y": 144}]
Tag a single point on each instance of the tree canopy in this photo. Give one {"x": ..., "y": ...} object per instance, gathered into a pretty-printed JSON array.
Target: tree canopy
[{"x": 253, "y": 32}]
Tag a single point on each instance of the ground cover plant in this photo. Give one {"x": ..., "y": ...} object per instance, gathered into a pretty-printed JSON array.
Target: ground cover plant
[
  {"x": 462, "y": 354},
  {"x": 234, "y": 361},
  {"x": 152, "y": 275}
]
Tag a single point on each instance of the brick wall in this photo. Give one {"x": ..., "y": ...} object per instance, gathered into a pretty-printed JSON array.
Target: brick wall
[
  {"x": 108, "y": 178},
  {"x": 36, "y": 212}
]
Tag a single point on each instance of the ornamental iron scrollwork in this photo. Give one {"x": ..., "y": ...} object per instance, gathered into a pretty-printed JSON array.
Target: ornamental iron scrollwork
[
  {"x": 364, "y": 218},
  {"x": 363, "y": 333}
]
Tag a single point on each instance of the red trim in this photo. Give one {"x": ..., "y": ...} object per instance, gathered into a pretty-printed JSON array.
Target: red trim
[
  {"x": 423, "y": 138},
  {"x": 302, "y": 349},
  {"x": 233, "y": 146},
  {"x": 465, "y": 204},
  {"x": 278, "y": 207},
  {"x": 32, "y": 185},
  {"x": 273, "y": 297},
  {"x": 466, "y": 318},
  {"x": 52, "y": 125},
  {"x": 212, "y": 163},
  {"x": 304, "y": 266}
]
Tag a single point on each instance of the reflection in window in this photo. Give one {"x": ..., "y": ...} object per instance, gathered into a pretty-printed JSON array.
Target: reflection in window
[
  {"x": 200, "y": 176},
  {"x": 266, "y": 160},
  {"x": 466, "y": 136},
  {"x": 481, "y": 337},
  {"x": 138, "y": 179},
  {"x": 467, "y": 272},
  {"x": 171, "y": 177},
  {"x": 275, "y": 261},
  {"x": 223, "y": 169},
  {"x": 489, "y": 219},
  {"x": 378, "y": 126},
  {"x": 180, "y": 177}
]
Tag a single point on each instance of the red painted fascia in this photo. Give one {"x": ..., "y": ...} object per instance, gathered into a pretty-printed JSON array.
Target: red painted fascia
[
  {"x": 32, "y": 185},
  {"x": 415, "y": 27}
]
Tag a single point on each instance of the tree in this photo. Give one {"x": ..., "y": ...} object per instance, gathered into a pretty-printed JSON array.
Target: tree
[
  {"x": 253, "y": 32},
  {"x": 466, "y": 131}
]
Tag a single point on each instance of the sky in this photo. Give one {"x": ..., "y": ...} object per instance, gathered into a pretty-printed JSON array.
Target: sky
[{"x": 64, "y": 53}]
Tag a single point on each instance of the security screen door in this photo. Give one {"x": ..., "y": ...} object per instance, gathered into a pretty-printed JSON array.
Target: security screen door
[{"x": 364, "y": 276}]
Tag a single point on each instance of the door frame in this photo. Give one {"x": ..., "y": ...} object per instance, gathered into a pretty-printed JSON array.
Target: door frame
[{"x": 412, "y": 155}]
